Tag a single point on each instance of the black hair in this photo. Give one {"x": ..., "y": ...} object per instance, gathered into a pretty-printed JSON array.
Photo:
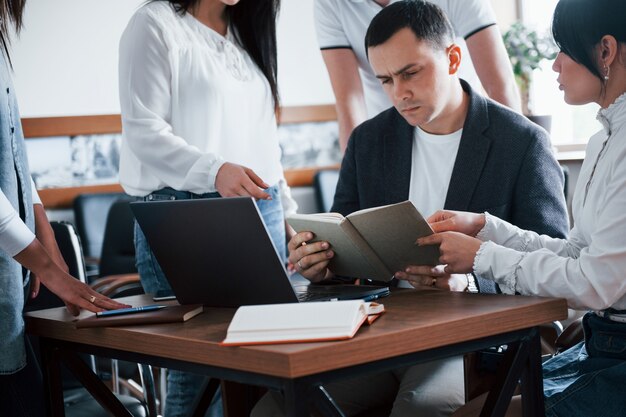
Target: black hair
[
  {"x": 11, "y": 12},
  {"x": 254, "y": 24},
  {"x": 426, "y": 20},
  {"x": 579, "y": 25}
]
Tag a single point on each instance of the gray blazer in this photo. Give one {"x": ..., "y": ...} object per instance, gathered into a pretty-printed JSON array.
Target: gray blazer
[{"x": 504, "y": 166}]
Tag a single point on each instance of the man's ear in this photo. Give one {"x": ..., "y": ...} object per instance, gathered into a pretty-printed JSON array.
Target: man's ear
[{"x": 454, "y": 58}]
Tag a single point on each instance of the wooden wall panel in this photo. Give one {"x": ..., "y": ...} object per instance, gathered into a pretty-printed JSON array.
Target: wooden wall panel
[{"x": 111, "y": 123}]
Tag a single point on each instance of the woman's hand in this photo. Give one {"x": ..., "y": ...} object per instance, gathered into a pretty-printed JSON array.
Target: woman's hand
[
  {"x": 310, "y": 259},
  {"x": 77, "y": 295},
  {"x": 422, "y": 277},
  {"x": 457, "y": 250},
  {"x": 74, "y": 293},
  {"x": 457, "y": 221},
  {"x": 234, "y": 180}
]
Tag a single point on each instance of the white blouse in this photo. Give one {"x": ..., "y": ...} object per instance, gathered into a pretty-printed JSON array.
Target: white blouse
[
  {"x": 589, "y": 268},
  {"x": 191, "y": 100}
]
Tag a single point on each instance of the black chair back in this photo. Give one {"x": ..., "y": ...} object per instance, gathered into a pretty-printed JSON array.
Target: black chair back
[
  {"x": 118, "y": 246},
  {"x": 90, "y": 215},
  {"x": 70, "y": 247},
  {"x": 325, "y": 184}
]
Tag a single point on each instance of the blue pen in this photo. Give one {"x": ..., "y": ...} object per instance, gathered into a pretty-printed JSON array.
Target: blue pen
[{"x": 129, "y": 310}]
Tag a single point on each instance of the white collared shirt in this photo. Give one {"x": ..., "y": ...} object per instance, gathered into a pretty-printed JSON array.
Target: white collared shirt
[
  {"x": 588, "y": 269},
  {"x": 191, "y": 100},
  {"x": 343, "y": 24}
]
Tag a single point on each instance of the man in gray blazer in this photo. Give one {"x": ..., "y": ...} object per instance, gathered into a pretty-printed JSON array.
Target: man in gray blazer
[{"x": 441, "y": 146}]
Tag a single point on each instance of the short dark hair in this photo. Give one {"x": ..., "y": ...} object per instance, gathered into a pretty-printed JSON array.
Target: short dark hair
[
  {"x": 255, "y": 30},
  {"x": 426, "y": 20},
  {"x": 579, "y": 25}
]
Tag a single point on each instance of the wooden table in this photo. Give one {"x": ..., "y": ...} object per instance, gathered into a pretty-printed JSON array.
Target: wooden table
[{"x": 419, "y": 326}]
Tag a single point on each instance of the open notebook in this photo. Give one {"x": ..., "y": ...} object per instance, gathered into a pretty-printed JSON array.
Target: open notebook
[{"x": 218, "y": 252}]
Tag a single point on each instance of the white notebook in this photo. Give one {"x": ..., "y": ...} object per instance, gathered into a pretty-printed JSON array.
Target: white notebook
[{"x": 299, "y": 322}]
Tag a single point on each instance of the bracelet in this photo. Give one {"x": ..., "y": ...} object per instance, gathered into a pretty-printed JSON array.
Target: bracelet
[{"x": 472, "y": 286}]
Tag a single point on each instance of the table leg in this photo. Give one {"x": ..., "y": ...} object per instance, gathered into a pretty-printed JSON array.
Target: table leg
[
  {"x": 296, "y": 403},
  {"x": 94, "y": 385},
  {"x": 532, "y": 380},
  {"x": 53, "y": 385}
]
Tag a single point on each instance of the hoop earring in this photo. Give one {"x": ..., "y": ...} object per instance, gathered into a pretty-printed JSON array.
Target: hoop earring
[{"x": 607, "y": 71}]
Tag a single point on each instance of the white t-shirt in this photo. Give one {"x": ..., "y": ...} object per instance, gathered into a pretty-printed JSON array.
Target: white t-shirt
[
  {"x": 432, "y": 162},
  {"x": 191, "y": 99},
  {"x": 343, "y": 24}
]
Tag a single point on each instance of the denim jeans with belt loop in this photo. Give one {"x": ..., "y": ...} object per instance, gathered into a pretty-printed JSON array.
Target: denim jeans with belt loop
[{"x": 182, "y": 387}]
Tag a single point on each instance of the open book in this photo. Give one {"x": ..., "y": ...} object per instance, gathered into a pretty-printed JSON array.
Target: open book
[
  {"x": 372, "y": 243},
  {"x": 170, "y": 314},
  {"x": 299, "y": 322}
]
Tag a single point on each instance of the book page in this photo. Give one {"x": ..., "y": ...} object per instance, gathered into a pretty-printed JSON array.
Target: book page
[
  {"x": 323, "y": 217},
  {"x": 392, "y": 230},
  {"x": 353, "y": 256}
]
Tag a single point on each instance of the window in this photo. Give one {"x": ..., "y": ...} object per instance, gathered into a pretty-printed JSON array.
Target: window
[{"x": 570, "y": 124}]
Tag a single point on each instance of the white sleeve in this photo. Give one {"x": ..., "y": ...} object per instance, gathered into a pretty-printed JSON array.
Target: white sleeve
[
  {"x": 330, "y": 32},
  {"x": 470, "y": 16},
  {"x": 35, "y": 194},
  {"x": 15, "y": 236},
  {"x": 589, "y": 276},
  {"x": 288, "y": 203},
  {"x": 145, "y": 99}
]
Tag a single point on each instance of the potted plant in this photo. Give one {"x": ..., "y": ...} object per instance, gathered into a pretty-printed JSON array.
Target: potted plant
[{"x": 527, "y": 49}]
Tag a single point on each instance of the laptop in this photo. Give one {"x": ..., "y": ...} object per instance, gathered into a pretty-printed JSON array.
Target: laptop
[{"x": 218, "y": 252}]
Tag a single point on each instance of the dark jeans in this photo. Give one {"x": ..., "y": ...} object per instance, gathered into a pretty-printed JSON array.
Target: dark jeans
[
  {"x": 21, "y": 393},
  {"x": 587, "y": 379}
]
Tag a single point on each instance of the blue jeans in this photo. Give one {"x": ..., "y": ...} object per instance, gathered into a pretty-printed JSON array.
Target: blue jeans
[
  {"x": 587, "y": 379},
  {"x": 182, "y": 387}
]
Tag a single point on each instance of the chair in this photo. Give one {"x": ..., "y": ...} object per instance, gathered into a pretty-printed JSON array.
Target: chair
[
  {"x": 69, "y": 244},
  {"x": 117, "y": 255},
  {"x": 565, "y": 180},
  {"x": 78, "y": 402},
  {"x": 90, "y": 215},
  {"x": 325, "y": 184}
]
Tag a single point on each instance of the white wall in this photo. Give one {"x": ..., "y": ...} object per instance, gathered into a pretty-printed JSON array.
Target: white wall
[
  {"x": 66, "y": 57},
  {"x": 506, "y": 11},
  {"x": 65, "y": 60}
]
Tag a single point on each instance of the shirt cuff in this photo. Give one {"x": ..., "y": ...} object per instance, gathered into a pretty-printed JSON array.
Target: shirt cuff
[
  {"x": 16, "y": 236},
  {"x": 487, "y": 229},
  {"x": 498, "y": 264},
  {"x": 213, "y": 173}
]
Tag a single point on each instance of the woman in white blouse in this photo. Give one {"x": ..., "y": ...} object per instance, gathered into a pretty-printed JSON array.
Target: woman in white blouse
[
  {"x": 199, "y": 96},
  {"x": 589, "y": 268}
]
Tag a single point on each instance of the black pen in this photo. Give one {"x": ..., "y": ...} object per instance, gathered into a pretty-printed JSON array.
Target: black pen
[{"x": 130, "y": 310}]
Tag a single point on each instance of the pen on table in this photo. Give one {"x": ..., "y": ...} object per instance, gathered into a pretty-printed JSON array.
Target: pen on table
[{"x": 129, "y": 310}]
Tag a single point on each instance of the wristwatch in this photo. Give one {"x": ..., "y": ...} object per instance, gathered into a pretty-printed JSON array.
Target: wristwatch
[{"x": 472, "y": 285}]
